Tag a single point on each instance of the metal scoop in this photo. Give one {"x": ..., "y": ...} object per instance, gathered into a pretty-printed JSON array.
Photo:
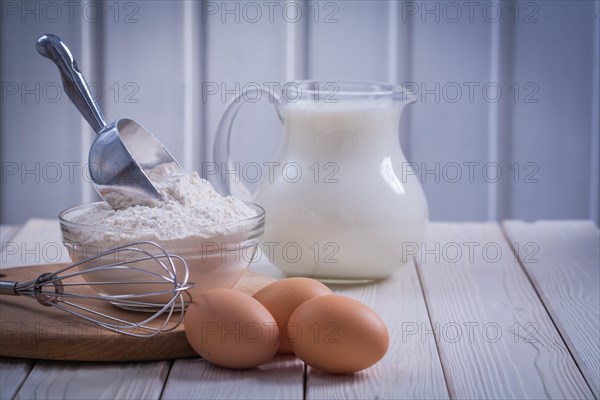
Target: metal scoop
[{"x": 122, "y": 150}]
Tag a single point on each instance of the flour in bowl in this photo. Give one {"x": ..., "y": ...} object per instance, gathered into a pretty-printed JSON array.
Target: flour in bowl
[{"x": 191, "y": 206}]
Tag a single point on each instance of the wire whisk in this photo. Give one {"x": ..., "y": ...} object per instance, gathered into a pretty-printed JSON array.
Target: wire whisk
[{"x": 138, "y": 276}]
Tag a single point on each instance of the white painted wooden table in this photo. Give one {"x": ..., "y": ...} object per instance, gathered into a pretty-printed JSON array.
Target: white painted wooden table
[{"x": 485, "y": 311}]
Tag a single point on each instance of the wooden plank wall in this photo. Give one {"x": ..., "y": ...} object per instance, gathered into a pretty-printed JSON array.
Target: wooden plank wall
[{"x": 173, "y": 66}]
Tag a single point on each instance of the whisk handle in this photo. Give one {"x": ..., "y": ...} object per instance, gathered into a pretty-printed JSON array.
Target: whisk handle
[{"x": 8, "y": 287}]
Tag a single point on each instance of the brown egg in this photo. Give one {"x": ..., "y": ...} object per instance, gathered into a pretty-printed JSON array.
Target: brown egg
[
  {"x": 282, "y": 298},
  {"x": 337, "y": 334},
  {"x": 231, "y": 329}
]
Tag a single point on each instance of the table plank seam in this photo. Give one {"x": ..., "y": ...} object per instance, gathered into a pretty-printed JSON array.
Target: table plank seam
[
  {"x": 435, "y": 334},
  {"x": 305, "y": 381},
  {"x": 162, "y": 390},
  {"x": 493, "y": 292},
  {"x": 33, "y": 364},
  {"x": 548, "y": 311}
]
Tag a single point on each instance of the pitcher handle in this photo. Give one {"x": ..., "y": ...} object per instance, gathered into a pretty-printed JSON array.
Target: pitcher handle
[{"x": 221, "y": 149}]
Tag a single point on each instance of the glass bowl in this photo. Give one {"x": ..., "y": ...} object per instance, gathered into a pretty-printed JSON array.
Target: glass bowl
[{"x": 216, "y": 255}]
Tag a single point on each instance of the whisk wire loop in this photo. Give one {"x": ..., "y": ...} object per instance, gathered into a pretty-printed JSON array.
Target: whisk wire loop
[{"x": 143, "y": 265}]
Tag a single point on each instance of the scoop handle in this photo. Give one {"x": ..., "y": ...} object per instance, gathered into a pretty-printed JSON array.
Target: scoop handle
[{"x": 53, "y": 48}]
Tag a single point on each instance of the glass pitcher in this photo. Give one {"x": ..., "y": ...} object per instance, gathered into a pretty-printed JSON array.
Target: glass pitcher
[{"x": 342, "y": 204}]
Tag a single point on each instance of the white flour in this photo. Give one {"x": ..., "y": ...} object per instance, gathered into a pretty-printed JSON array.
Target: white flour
[{"x": 191, "y": 204}]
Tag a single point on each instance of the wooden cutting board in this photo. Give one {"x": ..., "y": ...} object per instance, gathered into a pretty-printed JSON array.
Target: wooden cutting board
[{"x": 30, "y": 330}]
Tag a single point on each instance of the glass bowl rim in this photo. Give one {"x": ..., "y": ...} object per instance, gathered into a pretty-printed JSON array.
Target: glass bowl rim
[{"x": 256, "y": 220}]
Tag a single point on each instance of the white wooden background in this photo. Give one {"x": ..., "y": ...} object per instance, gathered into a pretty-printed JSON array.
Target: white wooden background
[{"x": 544, "y": 55}]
